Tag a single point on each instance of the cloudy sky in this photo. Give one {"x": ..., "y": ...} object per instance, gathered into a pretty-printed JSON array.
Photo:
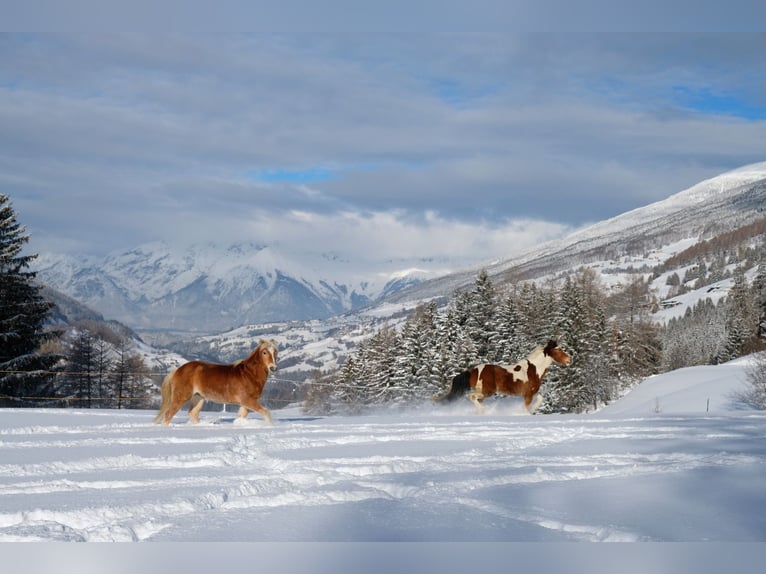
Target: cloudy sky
[{"x": 371, "y": 145}]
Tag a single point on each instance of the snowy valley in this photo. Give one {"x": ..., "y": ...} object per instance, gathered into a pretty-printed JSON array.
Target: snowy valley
[
  {"x": 206, "y": 289},
  {"x": 677, "y": 459},
  {"x": 231, "y": 285},
  {"x": 653, "y": 243}
]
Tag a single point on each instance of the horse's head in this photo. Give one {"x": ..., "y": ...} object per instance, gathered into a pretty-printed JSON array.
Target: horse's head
[
  {"x": 267, "y": 355},
  {"x": 558, "y": 355}
]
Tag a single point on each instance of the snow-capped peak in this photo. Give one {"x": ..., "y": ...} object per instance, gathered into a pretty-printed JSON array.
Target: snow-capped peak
[
  {"x": 209, "y": 287},
  {"x": 720, "y": 184}
]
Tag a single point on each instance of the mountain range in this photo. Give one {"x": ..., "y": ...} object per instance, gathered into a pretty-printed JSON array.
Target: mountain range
[
  {"x": 211, "y": 288},
  {"x": 650, "y": 243}
]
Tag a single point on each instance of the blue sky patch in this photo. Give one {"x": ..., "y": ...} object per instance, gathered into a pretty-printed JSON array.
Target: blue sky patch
[
  {"x": 308, "y": 175},
  {"x": 459, "y": 94},
  {"x": 706, "y": 101}
]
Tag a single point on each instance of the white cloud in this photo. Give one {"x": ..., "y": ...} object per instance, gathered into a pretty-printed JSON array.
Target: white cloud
[
  {"x": 385, "y": 236},
  {"x": 459, "y": 145}
]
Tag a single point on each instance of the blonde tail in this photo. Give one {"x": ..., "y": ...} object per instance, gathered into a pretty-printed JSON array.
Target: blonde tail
[{"x": 167, "y": 393}]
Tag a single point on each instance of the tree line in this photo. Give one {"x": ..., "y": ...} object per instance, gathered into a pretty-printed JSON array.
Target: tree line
[
  {"x": 419, "y": 360},
  {"x": 100, "y": 368},
  {"x": 612, "y": 338}
]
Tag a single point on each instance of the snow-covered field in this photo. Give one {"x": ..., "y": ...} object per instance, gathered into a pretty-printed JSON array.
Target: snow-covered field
[{"x": 677, "y": 459}]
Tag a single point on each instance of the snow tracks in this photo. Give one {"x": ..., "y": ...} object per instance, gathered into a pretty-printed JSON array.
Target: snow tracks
[{"x": 78, "y": 475}]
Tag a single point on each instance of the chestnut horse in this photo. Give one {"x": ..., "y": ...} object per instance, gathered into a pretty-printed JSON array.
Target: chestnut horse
[
  {"x": 523, "y": 378},
  {"x": 239, "y": 383}
]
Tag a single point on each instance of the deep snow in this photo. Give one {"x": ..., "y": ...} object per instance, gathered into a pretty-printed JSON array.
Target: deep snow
[{"x": 655, "y": 466}]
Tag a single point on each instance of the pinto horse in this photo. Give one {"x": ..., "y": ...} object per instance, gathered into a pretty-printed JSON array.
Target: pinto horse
[
  {"x": 523, "y": 378},
  {"x": 240, "y": 383}
]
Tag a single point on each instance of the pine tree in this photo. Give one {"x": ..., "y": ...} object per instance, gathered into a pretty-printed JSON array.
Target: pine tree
[
  {"x": 567, "y": 391},
  {"x": 587, "y": 381},
  {"x": 429, "y": 380},
  {"x": 460, "y": 347},
  {"x": 481, "y": 322},
  {"x": 512, "y": 341},
  {"x": 759, "y": 298},
  {"x": 381, "y": 379},
  {"x": 416, "y": 373},
  {"x": 540, "y": 309},
  {"x": 741, "y": 322},
  {"x": 638, "y": 346},
  {"x": 407, "y": 361},
  {"x": 81, "y": 367},
  {"x": 22, "y": 313},
  {"x": 347, "y": 389},
  {"x": 445, "y": 365}
]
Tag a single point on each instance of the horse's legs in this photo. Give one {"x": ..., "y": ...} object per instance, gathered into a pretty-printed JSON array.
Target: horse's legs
[
  {"x": 174, "y": 407},
  {"x": 254, "y": 405},
  {"x": 197, "y": 402},
  {"x": 476, "y": 399},
  {"x": 532, "y": 407},
  {"x": 178, "y": 398}
]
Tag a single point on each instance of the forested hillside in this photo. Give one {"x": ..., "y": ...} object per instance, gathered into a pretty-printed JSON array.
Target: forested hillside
[{"x": 614, "y": 335}]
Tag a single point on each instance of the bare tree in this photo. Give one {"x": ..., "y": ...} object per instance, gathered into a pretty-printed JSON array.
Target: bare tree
[{"x": 755, "y": 394}]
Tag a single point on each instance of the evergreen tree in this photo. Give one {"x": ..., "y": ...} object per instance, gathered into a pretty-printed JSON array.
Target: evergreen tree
[
  {"x": 381, "y": 380},
  {"x": 540, "y": 308},
  {"x": 417, "y": 373},
  {"x": 347, "y": 389},
  {"x": 759, "y": 298},
  {"x": 370, "y": 376},
  {"x": 81, "y": 367},
  {"x": 697, "y": 338},
  {"x": 446, "y": 365},
  {"x": 481, "y": 319},
  {"x": 638, "y": 343},
  {"x": 568, "y": 390},
  {"x": 582, "y": 326},
  {"x": 741, "y": 323},
  {"x": 460, "y": 347},
  {"x": 22, "y": 314},
  {"x": 512, "y": 340},
  {"x": 408, "y": 361}
]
